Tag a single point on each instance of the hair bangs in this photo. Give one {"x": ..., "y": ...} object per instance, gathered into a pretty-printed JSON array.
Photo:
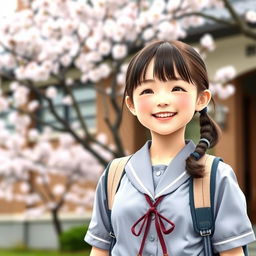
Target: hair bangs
[
  {"x": 138, "y": 67},
  {"x": 164, "y": 68}
]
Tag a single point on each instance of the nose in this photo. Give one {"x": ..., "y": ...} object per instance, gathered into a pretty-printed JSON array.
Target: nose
[
  {"x": 162, "y": 104},
  {"x": 163, "y": 100}
]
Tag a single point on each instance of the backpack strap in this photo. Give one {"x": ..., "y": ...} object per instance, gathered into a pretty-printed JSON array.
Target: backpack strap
[
  {"x": 115, "y": 174},
  {"x": 201, "y": 198}
]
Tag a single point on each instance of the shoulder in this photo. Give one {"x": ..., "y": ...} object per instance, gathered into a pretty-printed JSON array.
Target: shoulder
[
  {"x": 225, "y": 172},
  {"x": 226, "y": 182}
]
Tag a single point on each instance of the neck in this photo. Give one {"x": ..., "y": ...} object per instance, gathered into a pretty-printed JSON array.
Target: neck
[{"x": 165, "y": 147}]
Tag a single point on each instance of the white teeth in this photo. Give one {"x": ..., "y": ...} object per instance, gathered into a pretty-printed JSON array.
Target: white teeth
[{"x": 165, "y": 115}]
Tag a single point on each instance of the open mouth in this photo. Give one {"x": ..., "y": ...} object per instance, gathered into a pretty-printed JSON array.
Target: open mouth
[{"x": 166, "y": 115}]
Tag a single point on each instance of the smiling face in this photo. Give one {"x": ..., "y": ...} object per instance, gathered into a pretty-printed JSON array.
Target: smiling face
[{"x": 164, "y": 107}]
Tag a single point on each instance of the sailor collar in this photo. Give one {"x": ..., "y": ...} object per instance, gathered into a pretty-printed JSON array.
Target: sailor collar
[{"x": 139, "y": 171}]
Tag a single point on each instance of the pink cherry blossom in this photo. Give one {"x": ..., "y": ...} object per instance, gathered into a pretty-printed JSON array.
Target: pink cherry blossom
[
  {"x": 207, "y": 42},
  {"x": 51, "y": 92},
  {"x": 119, "y": 51},
  {"x": 250, "y": 16},
  {"x": 67, "y": 100},
  {"x": 225, "y": 74}
]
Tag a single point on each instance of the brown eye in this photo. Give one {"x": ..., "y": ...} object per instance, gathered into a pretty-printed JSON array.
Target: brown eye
[
  {"x": 146, "y": 91},
  {"x": 177, "y": 89}
]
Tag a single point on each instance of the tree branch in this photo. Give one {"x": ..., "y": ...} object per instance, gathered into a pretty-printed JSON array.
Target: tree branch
[
  {"x": 206, "y": 16},
  {"x": 77, "y": 109},
  {"x": 237, "y": 20},
  {"x": 89, "y": 137},
  {"x": 68, "y": 186},
  {"x": 38, "y": 120},
  {"x": 240, "y": 22},
  {"x": 113, "y": 99}
]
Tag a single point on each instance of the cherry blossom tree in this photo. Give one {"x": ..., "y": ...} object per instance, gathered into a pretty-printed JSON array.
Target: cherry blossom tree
[
  {"x": 65, "y": 43},
  {"x": 57, "y": 45},
  {"x": 46, "y": 176}
]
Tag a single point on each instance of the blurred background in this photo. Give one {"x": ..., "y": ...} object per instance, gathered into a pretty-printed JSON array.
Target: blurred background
[{"x": 62, "y": 71}]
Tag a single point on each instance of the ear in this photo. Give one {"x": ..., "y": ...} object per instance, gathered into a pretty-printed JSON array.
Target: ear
[
  {"x": 203, "y": 99},
  {"x": 130, "y": 105}
]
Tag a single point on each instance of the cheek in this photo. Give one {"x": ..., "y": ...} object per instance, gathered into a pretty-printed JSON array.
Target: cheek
[
  {"x": 185, "y": 101},
  {"x": 144, "y": 105}
]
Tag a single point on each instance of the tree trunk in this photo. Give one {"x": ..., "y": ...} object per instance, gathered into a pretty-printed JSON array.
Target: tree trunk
[{"x": 56, "y": 223}]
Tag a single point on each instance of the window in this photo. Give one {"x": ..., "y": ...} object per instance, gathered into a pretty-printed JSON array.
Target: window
[{"x": 86, "y": 98}]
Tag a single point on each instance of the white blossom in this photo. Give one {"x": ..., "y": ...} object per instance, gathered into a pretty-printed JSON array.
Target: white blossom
[
  {"x": 24, "y": 187},
  {"x": 207, "y": 42},
  {"x": 173, "y": 5},
  {"x": 92, "y": 43},
  {"x": 105, "y": 70},
  {"x": 83, "y": 30},
  {"x": 58, "y": 189},
  {"x": 20, "y": 96},
  {"x": 33, "y": 134},
  {"x": 225, "y": 74},
  {"x": 102, "y": 138},
  {"x": 67, "y": 100},
  {"x": 94, "y": 75},
  {"x": 51, "y": 205},
  {"x": 93, "y": 56},
  {"x": 51, "y": 92},
  {"x": 142, "y": 20},
  {"x": 80, "y": 210},
  {"x": 32, "y": 199},
  {"x": 66, "y": 60},
  {"x": 33, "y": 105},
  {"x": 148, "y": 34},
  {"x": 34, "y": 212},
  {"x": 108, "y": 27},
  {"x": 159, "y": 5},
  {"x": 223, "y": 92},
  {"x": 170, "y": 30},
  {"x": 3, "y": 104},
  {"x": 121, "y": 79},
  {"x": 14, "y": 85},
  {"x": 69, "y": 81},
  {"x": 119, "y": 51},
  {"x": 226, "y": 91},
  {"x": 84, "y": 78},
  {"x": 104, "y": 47},
  {"x": 250, "y": 16}
]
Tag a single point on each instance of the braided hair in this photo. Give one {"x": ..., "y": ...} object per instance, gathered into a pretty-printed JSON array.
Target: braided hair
[{"x": 210, "y": 131}]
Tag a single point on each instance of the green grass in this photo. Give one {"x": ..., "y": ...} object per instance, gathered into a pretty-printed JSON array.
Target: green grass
[{"x": 41, "y": 253}]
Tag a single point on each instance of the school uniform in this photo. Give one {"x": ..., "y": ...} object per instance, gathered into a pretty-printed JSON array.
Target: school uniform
[{"x": 232, "y": 226}]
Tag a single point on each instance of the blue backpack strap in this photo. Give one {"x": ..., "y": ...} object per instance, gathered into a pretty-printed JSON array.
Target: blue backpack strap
[
  {"x": 203, "y": 217},
  {"x": 245, "y": 249},
  {"x": 111, "y": 233}
]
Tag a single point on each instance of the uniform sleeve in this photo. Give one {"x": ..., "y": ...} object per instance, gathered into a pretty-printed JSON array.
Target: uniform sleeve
[
  {"x": 99, "y": 227},
  {"x": 232, "y": 225}
]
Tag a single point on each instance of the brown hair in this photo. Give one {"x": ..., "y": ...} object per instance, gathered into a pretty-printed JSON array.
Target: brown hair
[{"x": 170, "y": 56}]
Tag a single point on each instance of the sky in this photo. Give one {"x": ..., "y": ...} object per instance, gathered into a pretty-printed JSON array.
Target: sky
[{"x": 7, "y": 7}]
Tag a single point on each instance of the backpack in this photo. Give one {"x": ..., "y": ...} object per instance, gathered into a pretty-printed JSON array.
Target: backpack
[{"x": 201, "y": 204}]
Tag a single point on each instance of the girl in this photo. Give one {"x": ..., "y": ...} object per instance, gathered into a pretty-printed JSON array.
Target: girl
[{"x": 166, "y": 84}]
